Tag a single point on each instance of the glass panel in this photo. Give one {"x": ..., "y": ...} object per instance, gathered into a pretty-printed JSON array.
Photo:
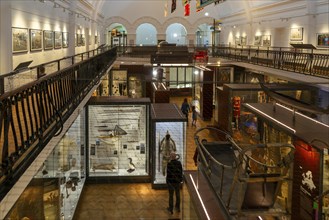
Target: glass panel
[
  {"x": 181, "y": 77},
  {"x": 188, "y": 77},
  {"x": 54, "y": 191},
  {"x": 119, "y": 83},
  {"x": 117, "y": 140},
  {"x": 176, "y": 132},
  {"x": 325, "y": 200},
  {"x": 173, "y": 77},
  {"x": 135, "y": 87}
]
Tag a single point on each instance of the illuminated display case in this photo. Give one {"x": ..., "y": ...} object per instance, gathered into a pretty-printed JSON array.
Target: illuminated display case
[
  {"x": 55, "y": 190},
  {"x": 203, "y": 94},
  {"x": 119, "y": 83},
  {"x": 118, "y": 137},
  {"x": 166, "y": 119},
  {"x": 309, "y": 189},
  {"x": 232, "y": 96}
]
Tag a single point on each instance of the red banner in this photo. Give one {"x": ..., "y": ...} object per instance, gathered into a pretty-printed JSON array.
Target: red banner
[{"x": 187, "y": 9}]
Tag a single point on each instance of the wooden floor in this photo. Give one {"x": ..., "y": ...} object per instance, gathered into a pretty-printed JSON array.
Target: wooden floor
[{"x": 138, "y": 200}]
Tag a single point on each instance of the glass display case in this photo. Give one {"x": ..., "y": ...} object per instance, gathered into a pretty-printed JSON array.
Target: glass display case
[
  {"x": 55, "y": 190},
  {"x": 135, "y": 86},
  {"x": 118, "y": 137},
  {"x": 203, "y": 93},
  {"x": 119, "y": 83},
  {"x": 168, "y": 134}
]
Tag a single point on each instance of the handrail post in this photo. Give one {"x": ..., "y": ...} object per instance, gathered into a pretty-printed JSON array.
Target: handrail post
[{"x": 2, "y": 86}]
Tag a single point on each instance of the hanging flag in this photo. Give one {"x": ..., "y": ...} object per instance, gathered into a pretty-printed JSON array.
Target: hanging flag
[
  {"x": 184, "y": 2},
  {"x": 198, "y": 6},
  {"x": 187, "y": 9},
  {"x": 166, "y": 9},
  {"x": 173, "y": 5}
]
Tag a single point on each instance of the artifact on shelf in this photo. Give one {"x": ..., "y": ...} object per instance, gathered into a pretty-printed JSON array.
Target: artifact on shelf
[{"x": 131, "y": 165}]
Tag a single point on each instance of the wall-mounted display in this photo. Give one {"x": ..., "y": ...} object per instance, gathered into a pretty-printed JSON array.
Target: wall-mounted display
[
  {"x": 119, "y": 83},
  {"x": 322, "y": 40},
  {"x": 243, "y": 40},
  {"x": 258, "y": 41},
  {"x": 135, "y": 86},
  {"x": 48, "y": 40},
  {"x": 296, "y": 34},
  {"x": 237, "y": 40},
  {"x": 20, "y": 38},
  {"x": 266, "y": 40},
  {"x": 65, "y": 39},
  {"x": 83, "y": 40},
  {"x": 118, "y": 139},
  {"x": 58, "y": 40},
  {"x": 35, "y": 39},
  {"x": 80, "y": 40}
]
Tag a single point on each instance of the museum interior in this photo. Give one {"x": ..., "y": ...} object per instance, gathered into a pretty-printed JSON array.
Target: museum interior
[{"x": 91, "y": 94}]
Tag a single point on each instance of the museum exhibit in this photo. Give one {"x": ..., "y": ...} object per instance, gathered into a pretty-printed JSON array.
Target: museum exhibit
[{"x": 194, "y": 109}]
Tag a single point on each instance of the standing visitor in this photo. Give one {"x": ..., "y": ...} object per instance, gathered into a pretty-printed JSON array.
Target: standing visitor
[
  {"x": 185, "y": 108},
  {"x": 194, "y": 116},
  {"x": 174, "y": 179}
]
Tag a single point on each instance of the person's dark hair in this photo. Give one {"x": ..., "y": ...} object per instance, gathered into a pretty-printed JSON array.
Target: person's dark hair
[{"x": 185, "y": 100}]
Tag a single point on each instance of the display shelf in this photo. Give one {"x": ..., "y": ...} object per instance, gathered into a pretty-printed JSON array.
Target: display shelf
[{"x": 118, "y": 139}]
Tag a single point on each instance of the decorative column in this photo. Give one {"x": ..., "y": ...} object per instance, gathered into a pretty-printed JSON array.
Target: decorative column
[
  {"x": 6, "y": 61},
  {"x": 161, "y": 37},
  {"x": 310, "y": 30},
  {"x": 131, "y": 38},
  {"x": 87, "y": 38},
  {"x": 72, "y": 24},
  {"x": 190, "y": 38}
]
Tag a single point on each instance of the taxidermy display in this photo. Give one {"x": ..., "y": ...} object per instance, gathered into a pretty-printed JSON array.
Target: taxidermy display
[{"x": 131, "y": 166}]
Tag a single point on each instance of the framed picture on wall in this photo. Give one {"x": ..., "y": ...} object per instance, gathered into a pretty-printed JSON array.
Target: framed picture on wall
[
  {"x": 83, "y": 40},
  {"x": 258, "y": 41},
  {"x": 35, "y": 39},
  {"x": 48, "y": 40},
  {"x": 266, "y": 40},
  {"x": 20, "y": 38},
  {"x": 79, "y": 40},
  {"x": 322, "y": 40},
  {"x": 58, "y": 40},
  {"x": 237, "y": 41},
  {"x": 243, "y": 40},
  {"x": 296, "y": 34},
  {"x": 65, "y": 38}
]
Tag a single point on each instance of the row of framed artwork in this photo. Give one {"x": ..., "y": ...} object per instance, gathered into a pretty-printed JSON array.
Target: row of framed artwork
[
  {"x": 43, "y": 39},
  {"x": 37, "y": 39},
  {"x": 322, "y": 39},
  {"x": 264, "y": 40}
]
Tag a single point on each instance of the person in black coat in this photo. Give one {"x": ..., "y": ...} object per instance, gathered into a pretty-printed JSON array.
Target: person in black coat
[{"x": 174, "y": 179}]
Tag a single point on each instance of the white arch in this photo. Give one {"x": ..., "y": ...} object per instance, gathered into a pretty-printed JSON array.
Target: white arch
[
  {"x": 205, "y": 20},
  {"x": 119, "y": 20},
  {"x": 188, "y": 26},
  {"x": 149, "y": 20}
]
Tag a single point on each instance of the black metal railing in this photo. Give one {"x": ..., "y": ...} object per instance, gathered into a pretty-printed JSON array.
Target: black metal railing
[
  {"x": 33, "y": 114},
  {"x": 313, "y": 62},
  {"x": 289, "y": 59},
  {"x": 18, "y": 77}
]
